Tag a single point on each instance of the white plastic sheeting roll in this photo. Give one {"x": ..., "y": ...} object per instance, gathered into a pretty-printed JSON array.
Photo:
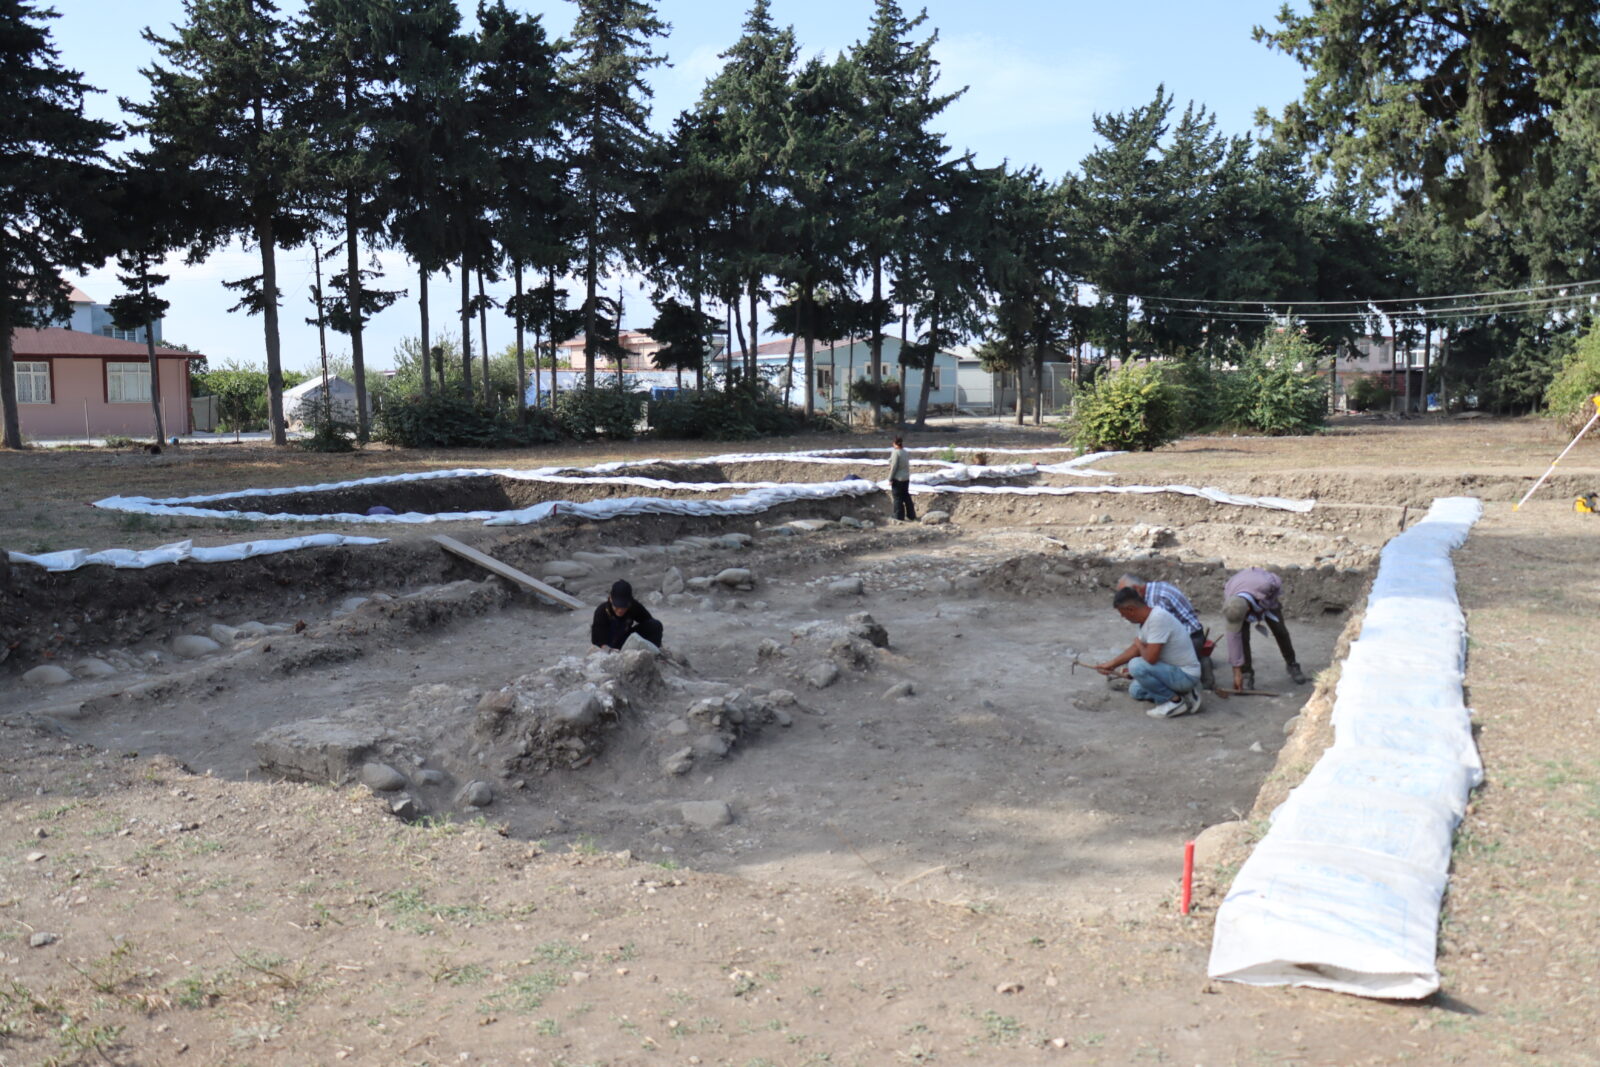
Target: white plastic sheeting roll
[
  {"x": 1344, "y": 891},
  {"x": 179, "y": 551}
]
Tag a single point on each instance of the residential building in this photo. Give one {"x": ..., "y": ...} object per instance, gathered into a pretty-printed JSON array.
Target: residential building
[
  {"x": 640, "y": 347},
  {"x": 84, "y": 377},
  {"x": 835, "y": 365}
]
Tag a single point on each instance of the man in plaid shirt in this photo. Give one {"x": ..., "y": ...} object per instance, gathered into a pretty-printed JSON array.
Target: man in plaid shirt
[{"x": 1170, "y": 598}]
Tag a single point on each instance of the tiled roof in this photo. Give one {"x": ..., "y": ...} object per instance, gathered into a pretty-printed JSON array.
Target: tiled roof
[{"x": 55, "y": 341}]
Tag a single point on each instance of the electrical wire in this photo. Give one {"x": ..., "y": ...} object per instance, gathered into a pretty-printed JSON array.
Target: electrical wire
[
  {"x": 1459, "y": 312},
  {"x": 1413, "y": 301}
]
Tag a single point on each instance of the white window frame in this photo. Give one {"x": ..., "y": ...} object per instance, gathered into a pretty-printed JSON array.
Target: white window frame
[
  {"x": 33, "y": 377},
  {"x": 825, "y": 380},
  {"x": 118, "y": 378},
  {"x": 935, "y": 386}
]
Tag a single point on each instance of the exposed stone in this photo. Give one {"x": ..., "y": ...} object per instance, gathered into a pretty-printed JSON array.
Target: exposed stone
[
  {"x": 317, "y": 750},
  {"x": 782, "y": 717},
  {"x": 253, "y": 628},
  {"x": 678, "y": 727},
  {"x": 811, "y": 525},
  {"x": 935, "y": 518},
  {"x": 864, "y": 626},
  {"x": 93, "y": 668},
  {"x": 698, "y": 585},
  {"x": 735, "y": 578},
  {"x": 403, "y": 806},
  {"x": 708, "y": 711},
  {"x": 847, "y": 587},
  {"x": 554, "y": 581},
  {"x": 941, "y": 587},
  {"x": 475, "y": 795},
  {"x": 578, "y": 710},
  {"x": 430, "y": 776},
  {"x": 1217, "y": 844},
  {"x": 714, "y": 746},
  {"x": 899, "y": 691},
  {"x": 706, "y": 814},
  {"x": 850, "y": 522},
  {"x": 223, "y": 634},
  {"x": 780, "y": 698},
  {"x": 41, "y": 938},
  {"x": 734, "y": 540},
  {"x": 353, "y": 603},
  {"x": 672, "y": 581},
  {"x": 822, "y": 675},
  {"x": 638, "y": 643},
  {"x": 193, "y": 646},
  {"x": 567, "y": 568},
  {"x": 678, "y": 762},
  {"x": 382, "y": 778},
  {"x": 47, "y": 674},
  {"x": 1291, "y": 725}
]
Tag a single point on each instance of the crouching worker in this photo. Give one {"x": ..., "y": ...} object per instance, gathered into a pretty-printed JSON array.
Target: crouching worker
[
  {"x": 1161, "y": 660},
  {"x": 620, "y": 616}
]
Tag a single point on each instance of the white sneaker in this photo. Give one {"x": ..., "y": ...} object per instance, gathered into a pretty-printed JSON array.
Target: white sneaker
[
  {"x": 1191, "y": 702},
  {"x": 1170, "y": 709}
]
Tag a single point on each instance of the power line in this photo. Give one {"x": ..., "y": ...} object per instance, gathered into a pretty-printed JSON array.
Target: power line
[
  {"x": 1407, "y": 300},
  {"x": 1464, "y": 311}
]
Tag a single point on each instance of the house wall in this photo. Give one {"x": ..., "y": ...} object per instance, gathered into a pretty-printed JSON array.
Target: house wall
[
  {"x": 840, "y": 359},
  {"x": 78, "y": 386}
]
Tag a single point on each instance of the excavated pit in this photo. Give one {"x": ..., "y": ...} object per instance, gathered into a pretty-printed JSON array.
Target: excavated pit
[{"x": 962, "y": 760}]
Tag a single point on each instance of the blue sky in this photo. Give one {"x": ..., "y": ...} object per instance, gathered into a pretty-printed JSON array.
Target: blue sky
[{"x": 1035, "y": 72}]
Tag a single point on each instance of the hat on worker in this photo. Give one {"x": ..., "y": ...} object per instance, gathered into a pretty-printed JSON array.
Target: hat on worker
[
  {"x": 621, "y": 593},
  {"x": 1235, "y": 611}
]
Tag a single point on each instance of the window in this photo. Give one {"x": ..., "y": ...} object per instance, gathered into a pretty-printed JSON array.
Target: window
[
  {"x": 127, "y": 383},
  {"x": 33, "y": 383},
  {"x": 935, "y": 385},
  {"x": 122, "y": 335},
  {"x": 825, "y": 380}
]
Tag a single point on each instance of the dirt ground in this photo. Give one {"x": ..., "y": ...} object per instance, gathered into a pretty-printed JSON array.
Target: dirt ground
[{"x": 981, "y": 871}]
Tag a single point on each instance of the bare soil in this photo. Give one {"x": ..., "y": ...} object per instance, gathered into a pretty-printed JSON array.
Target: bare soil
[{"x": 983, "y": 871}]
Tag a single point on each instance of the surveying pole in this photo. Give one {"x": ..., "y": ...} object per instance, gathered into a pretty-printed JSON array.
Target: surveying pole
[{"x": 1586, "y": 427}]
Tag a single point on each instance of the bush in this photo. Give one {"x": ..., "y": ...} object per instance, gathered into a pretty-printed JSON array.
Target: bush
[
  {"x": 1136, "y": 408},
  {"x": 449, "y": 420},
  {"x": 589, "y": 413},
  {"x": 888, "y": 392},
  {"x": 1282, "y": 392},
  {"x": 731, "y": 415},
  {"x": 1568, "y": 395},
  {"x": 333, "y": 426},
  {"x": 1368, "y": 394}
]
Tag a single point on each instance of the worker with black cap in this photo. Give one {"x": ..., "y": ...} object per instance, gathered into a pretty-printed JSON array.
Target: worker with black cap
[{"x": 621, "y": 615}]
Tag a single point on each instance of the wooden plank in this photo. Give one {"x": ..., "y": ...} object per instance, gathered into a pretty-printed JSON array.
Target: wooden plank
[{"x": 506, "y": 571}]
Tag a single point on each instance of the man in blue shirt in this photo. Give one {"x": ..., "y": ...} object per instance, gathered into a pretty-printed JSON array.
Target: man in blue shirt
[{"x": 1170, "y": 599}]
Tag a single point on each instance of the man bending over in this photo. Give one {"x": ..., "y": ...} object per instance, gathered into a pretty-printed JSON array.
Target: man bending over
[
  {"x": 621, "y": 615},
  {"x": 1161, "y": 660}
]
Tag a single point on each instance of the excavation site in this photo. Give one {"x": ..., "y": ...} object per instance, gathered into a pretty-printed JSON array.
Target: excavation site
[{"x": 839, "y": 699}]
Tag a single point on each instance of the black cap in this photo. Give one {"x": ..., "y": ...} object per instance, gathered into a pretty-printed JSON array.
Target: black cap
[{"x": 621, "y": 593}]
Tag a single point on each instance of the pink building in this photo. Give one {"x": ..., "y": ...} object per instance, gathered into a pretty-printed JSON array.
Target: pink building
[{"x": 72, "y": 383}]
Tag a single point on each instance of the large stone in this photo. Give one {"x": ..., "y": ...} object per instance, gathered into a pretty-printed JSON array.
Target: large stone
[
  {"x": 735, "y": 578},
  {"x": 706, "y": 814},
  {"x": 1220, "y": 844},
  {"x": 382, "y": 778},
  {"x": 864, "y": 626},
  {"x": 253, "y": 628},
  {"x": 734, "y": 540},
  {"x": 822, "y": 675},
  {"x": 899, "y": 691},
  {"x": 941, "y": 587},
  {"x": 850, "y": 522},
  {"x": 578, "y": 710},
  {"x": 936, "y": 518},
  {"x": 714, "y": 746},
  {"x": 567, "y": 568},
  {"x": 404, "y": 807},
  {"x": 318, "y": 750},
  {"x": 475, "y": 795},
  {"x": 638, "y": 643},
  {"x": 678, "y": 762},
  {"x": 93, "y": 668},
  {"x": 193, "y": 646},
  {"x": 698, "y": 585},
  {"x": 846, "y": 587},
  {"x": 47, "y": 674},
  {"x": 223, "y": 634},
  {"x": 672, "y": 581}
]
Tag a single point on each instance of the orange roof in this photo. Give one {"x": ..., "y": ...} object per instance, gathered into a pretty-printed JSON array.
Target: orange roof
[
  {"x": 55, "y": 341},
  {"x": 80, "y": 297}
]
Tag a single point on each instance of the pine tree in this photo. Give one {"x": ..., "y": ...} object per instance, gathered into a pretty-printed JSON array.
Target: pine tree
[
  {"x": 893, "y": 80},
  {"x": 223, "y": 97},
  {"x": 51, "y": 169},
  {"x": 611, "y": 51}
]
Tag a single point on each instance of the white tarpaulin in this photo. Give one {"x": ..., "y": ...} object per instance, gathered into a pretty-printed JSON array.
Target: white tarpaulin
[
  {"x": 1343, "y": 893},
  {"x": 179, "y": 551}
]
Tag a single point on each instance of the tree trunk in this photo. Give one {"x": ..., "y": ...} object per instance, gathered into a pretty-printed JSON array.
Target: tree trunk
[
  {"x": 744, "y": 349},
  {"x": 905, "y": 370},
  {"x": 426, "y": 350},
  {"x": 807, "y": 309},
  {"x": 700, "y": 368},
  {"x": 267, "y": 239},
  {"x": 1038, "y": 382},
  {"x": 322, "y": 338},
  {"x": 1444, "y": 379},
  {"x": 8, "y": 382},
  {"x": 591, "y": 278},
  {"x": 155, "y": 370},
  {"x": 353, "y": 295},
  {"x": 466, "y": 331},
  {"x": 927, "y": 371},
  {"x": 1022, "y": 371},
  {"x": 1427, "y": 349},
  {"x": 788, "y": 379},
  {"x": 751, "y": 361},
  {"x": 522, "y": 370},
  {"x": 483, "y": 347},
  {"x": 877, "y": 342}
]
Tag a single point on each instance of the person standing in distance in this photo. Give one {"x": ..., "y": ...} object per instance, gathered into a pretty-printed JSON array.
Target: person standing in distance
[
  {"x": 620, "y": 616},
  {"x": 900, "y": 482}
]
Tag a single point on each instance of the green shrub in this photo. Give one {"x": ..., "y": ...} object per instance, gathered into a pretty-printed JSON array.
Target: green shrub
[
  {"x": 731, "y": 415},
  {"x": 1282, "y": 392},
  {"x": 888, "y": 392},
  {"x": 604, "y": 412},
  {"x": 117, "y": 440},
  {"x": 1368, "y": 394},
  {"x": 1568, "y": 397},
  {"x": 1136, "y": 408},
  {"x": 449, "y": 420}
]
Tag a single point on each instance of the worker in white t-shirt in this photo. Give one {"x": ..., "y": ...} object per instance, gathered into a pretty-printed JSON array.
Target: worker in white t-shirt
[{"x": 1161, "y": 661}]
